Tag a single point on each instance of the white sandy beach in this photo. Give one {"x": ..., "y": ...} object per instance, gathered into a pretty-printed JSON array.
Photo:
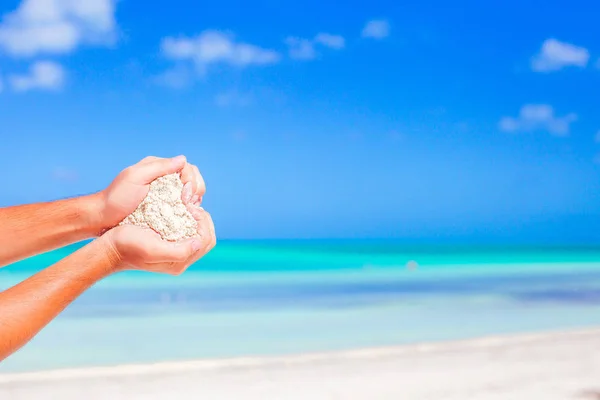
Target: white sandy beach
[{"x": 540, "y": 366}]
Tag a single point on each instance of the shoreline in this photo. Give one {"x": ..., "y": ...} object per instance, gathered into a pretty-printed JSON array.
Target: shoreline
[{"x": 568, "y": 358}]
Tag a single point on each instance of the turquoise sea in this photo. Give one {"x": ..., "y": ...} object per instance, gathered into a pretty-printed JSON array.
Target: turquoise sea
[{"x": 263, "y": 298}]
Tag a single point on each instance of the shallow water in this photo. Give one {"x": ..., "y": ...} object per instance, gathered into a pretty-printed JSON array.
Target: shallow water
[{"x": 252, "y": 298}]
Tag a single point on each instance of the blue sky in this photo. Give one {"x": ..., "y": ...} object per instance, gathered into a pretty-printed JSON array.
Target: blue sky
[{"x": 312, "y": 120}]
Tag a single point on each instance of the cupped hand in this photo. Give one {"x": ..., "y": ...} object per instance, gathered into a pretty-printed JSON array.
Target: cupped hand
[
  {"x": 137, "y": 248},
  {"x": 194, "y": 186},
  {"x": 131, "y": 186}
]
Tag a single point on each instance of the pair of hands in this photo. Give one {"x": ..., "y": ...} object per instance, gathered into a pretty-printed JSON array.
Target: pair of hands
[{"x": 133, "y": 247}]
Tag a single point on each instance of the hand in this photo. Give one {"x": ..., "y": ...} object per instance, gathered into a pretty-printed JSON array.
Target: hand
[
  {"x": 131, "y": 186},
  {"x": 193, "y": 183},
  {"x": 133, "y": 247}
]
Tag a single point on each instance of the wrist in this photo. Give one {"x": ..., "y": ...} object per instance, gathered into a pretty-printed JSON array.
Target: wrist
[
  {"x": 110, "y": 252},
  {"x": 91, "y": 208}
]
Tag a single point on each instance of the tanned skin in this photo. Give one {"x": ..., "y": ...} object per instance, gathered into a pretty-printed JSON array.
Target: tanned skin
[{"x": 27, "y": 230}]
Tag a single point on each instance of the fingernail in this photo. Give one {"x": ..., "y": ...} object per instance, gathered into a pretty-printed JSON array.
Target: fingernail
[
  {"x": 194, "y": 199},
  {"x": 178, "y": 160},
  {"x": 186, "y": 194},
  {"x": 196, "y": 245}
]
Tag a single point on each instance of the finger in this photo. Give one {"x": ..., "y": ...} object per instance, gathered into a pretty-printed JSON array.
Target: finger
[
  {"x": 201, "y": 186},
  {"x": 206, "y": 226},
  {"x": 145, "y": 173},
  {"x": 210, "y": 228},
  {"x": 146, "y": 160},
  {"x": 186, "y": 194},
  {"x": 209, "y": 240},
  {"x": 213, "y": 236},
  {"x": 189, "y": 176},
  {"x": 197, "y": 255},
  {"x": 191, "y": 173},
  {"x": 201, "y": 218},
  {"x": 213, "y": 232},
  {"x": 161, "y": 251}
]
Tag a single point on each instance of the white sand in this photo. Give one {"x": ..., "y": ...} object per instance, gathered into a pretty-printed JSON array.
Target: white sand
[
  {"x": 163, "y": 210},
  {"x": 546, "y": 367}
]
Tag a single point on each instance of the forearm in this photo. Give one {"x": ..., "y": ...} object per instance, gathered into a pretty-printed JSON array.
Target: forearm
[
  {"x": 29, "y": 306},
  {"x": 35, "y": 228}
]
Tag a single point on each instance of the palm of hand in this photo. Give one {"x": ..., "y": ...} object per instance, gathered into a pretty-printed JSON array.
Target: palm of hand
[{"x": 143, "y": 249}]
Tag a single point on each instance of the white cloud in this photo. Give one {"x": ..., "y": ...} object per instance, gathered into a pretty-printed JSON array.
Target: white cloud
[
  {"x": 43, "y": 75},
  {"x": 376, "y": 29},
  {"x": 555, "y": 55},
  {"x": 215, "y": 47},
  {"x": 56, "y": 26},
  {"x": 329, "y": 40},
  {"x": 301, "y": 49},
  {"x": 304, "y": 49},
  {"x": 533, "y": 117}
]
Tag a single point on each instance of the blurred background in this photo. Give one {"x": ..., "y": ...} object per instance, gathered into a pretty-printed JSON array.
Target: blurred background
[{"x": 378, "y": 172}]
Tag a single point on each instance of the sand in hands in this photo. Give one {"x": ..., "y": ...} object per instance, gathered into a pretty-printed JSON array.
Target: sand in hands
[{"x": 164, "y": 212}]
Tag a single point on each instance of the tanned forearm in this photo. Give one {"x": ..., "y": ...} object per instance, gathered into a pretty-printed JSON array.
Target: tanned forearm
[
  {"x": 36, "y": 228},
  {"x": 31, "y": 305}
]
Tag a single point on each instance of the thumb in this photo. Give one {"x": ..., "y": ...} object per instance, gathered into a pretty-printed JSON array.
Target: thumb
[
  {"x": 163, "y": 251},
  {"x": 149, "y": 171}
]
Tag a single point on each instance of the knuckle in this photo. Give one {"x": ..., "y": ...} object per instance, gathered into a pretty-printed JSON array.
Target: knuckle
[
  {"x": 128, "y": 171},
  {"x": 149, "y": 158}
]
